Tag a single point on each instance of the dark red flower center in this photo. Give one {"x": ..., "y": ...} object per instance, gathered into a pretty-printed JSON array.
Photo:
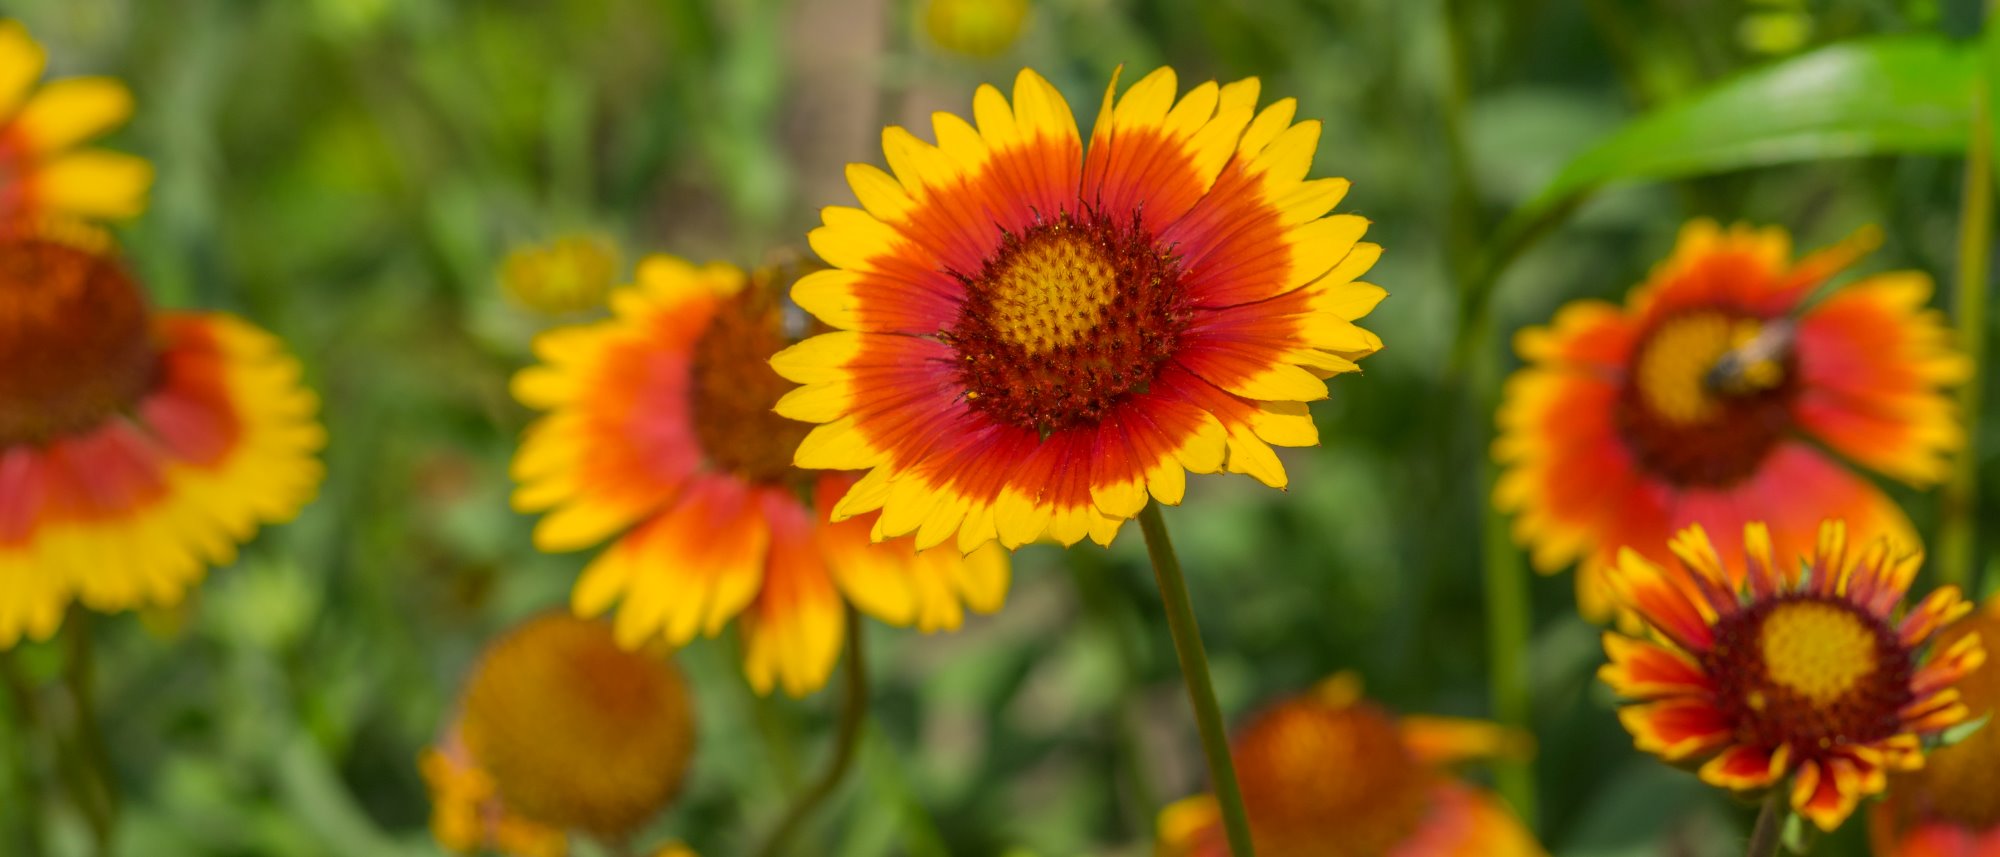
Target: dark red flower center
[
  {"x": 1809, "y": 671},
  {"x": 1066, "y": 320},
  {"x": 734, "y": 388},
  {"x": 1708, "y": 396},
  {"x": 75, "y": 340}
]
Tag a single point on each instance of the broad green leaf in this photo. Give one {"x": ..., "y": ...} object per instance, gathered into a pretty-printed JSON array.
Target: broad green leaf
[{"x": 1891, "y": 94}]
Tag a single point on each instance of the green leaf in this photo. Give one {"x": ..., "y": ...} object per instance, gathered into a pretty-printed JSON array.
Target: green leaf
[{"x": 1872, "y": 96}]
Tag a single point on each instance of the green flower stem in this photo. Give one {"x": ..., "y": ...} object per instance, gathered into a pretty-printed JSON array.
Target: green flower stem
[
  {"x": 1201, "y": 690},
  {"x": 90, "y": 760},
  {"x": 1958, "y": 532},
  {"x": 854, "y": 710},
  {"x": 1769, "y": 832},
  {"x": 25, "y": 719},
  {"x": 1507, "y": 629}
]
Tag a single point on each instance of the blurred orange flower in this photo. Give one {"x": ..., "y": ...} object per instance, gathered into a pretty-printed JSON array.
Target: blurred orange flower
[
  {"x": 1721, "y": 391},
  {"x": 1781, "y": 673},
  {"x": 1327, "y": 774},
  {"x": 137, "y": 448},
  {"x": 1951, "y": 808},
  {"x": 660, "y": 427}
]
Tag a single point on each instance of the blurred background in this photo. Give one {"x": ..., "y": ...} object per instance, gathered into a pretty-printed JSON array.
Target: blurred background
[{"x": 351, "y": 173}]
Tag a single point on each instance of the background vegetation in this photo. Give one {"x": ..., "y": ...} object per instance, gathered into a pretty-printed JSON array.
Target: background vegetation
[{"x": 349, "y": 173}]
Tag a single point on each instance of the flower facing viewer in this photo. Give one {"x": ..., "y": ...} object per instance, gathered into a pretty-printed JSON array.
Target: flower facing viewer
[
  {"x": 42, "y": 172},
  {"x": 1328, "y": 774},
  {"x": 560, "y": 730},
  {"x": 137, "y": 448},
  {"x": 1951, "y": 808},
  {"x": 1033, "y": 338},
  {"x": 1725, "y": 387},
  {"x": 660, "y": 433},
  {"x": 1787, "y": 677}
]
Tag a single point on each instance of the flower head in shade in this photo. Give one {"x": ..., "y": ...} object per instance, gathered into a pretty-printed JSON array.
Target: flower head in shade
[
  {"x": 660, "y": 434},
  {"x": 560, "y": 730},
  {"x": 1787, "y": 674},
  {"x": 137, "y": 448},
  {"x": 975, "y": 28},
  {"x": 1032, "y": 339},
  {"x": 1951, "y": 808},
  {"x": 571, "y": 274},
  {"x": 1726, "y": 387},
  {"x": 42, "y": 172},
  {"x": 1328, "y": 774}
]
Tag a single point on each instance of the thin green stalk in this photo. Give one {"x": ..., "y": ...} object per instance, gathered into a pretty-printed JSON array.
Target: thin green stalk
[
  {"x": 854, "y": 710},
  {"x": 1958, "y": 532},
  {"x": 1201, "y": 690},
  {"x": 93, "y": 759},
  {"x": 1507, "y": 628},
  {"x": 1507, "y": 617},
  {"x": 1769, "y": 832},
  {"x": 26, "y": 720}
]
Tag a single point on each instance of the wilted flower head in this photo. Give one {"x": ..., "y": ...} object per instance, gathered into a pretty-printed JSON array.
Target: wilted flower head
[
  {"x": 560, "y": 730},
  {"x": 1327, "y": 774}
]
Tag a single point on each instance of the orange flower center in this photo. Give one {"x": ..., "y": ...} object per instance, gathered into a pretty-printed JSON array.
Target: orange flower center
[
  {"x": 734, "y": 388},
  {"x": 575, "y": 731},
  {"x": 74, "y": 338},
  {"x": 1066, "y": 320},
  {"x": 1325, "y": 781},
  {"x": 1961, "y": 783},
  {"x": 1708, "y": 397},
  {"x": 1808, "y": 671}
]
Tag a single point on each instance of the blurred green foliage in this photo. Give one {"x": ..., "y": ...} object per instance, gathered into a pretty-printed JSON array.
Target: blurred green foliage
[{"x": 348, "y": 173}]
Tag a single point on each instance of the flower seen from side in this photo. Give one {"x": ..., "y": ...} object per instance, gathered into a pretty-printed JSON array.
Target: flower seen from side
[
  {"x": 1951, "y": 808},
  {"x": 569, "y": 275},
  {"x": 1803, "y": 676},
  {"x": 43, "y": 172},
  {"x": 1032, "y": 339},
  {"x": 137, "y": 448},
  {"x": 560, "y": 730},
  {"x": 1328, "y": 774},
  {"x": 1725, "y": 387},
  {"x": 660, "y": 435},
  {"x": 976, "y": 28}
]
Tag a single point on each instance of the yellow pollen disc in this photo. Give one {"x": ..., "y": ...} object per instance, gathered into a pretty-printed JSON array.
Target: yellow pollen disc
[
  {"x": 1674, "y": 368},
  {"x": 1052, "y": 292},
  {"x": 1817, "y": 650}
]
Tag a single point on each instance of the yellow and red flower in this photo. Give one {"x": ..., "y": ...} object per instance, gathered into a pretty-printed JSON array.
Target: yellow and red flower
[
  {"x": 137, "y": 448},
  {"x": 1328, "y": 774},
  {"x": 1777, "y": 673},
  {"x": 1724, "y": 390},
  {"x": 661, "y": 428},
  {"x": 1032, "y": 339},
  {"x": 1951, "y": 808},
  {"x": 560, "y": 730},
  {"x": 42, "y": 172}
]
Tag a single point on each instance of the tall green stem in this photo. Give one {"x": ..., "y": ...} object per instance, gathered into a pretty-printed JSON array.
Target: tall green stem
[
  {"x": 26, "y": 720},
  {"x": 91, "y": 759},
  {"x": 854, "y": 710},
  {"x": 1765, "y": 837},
  {"x": 1958, "y": 532},
  {"x": 1201, "y": 690}
]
